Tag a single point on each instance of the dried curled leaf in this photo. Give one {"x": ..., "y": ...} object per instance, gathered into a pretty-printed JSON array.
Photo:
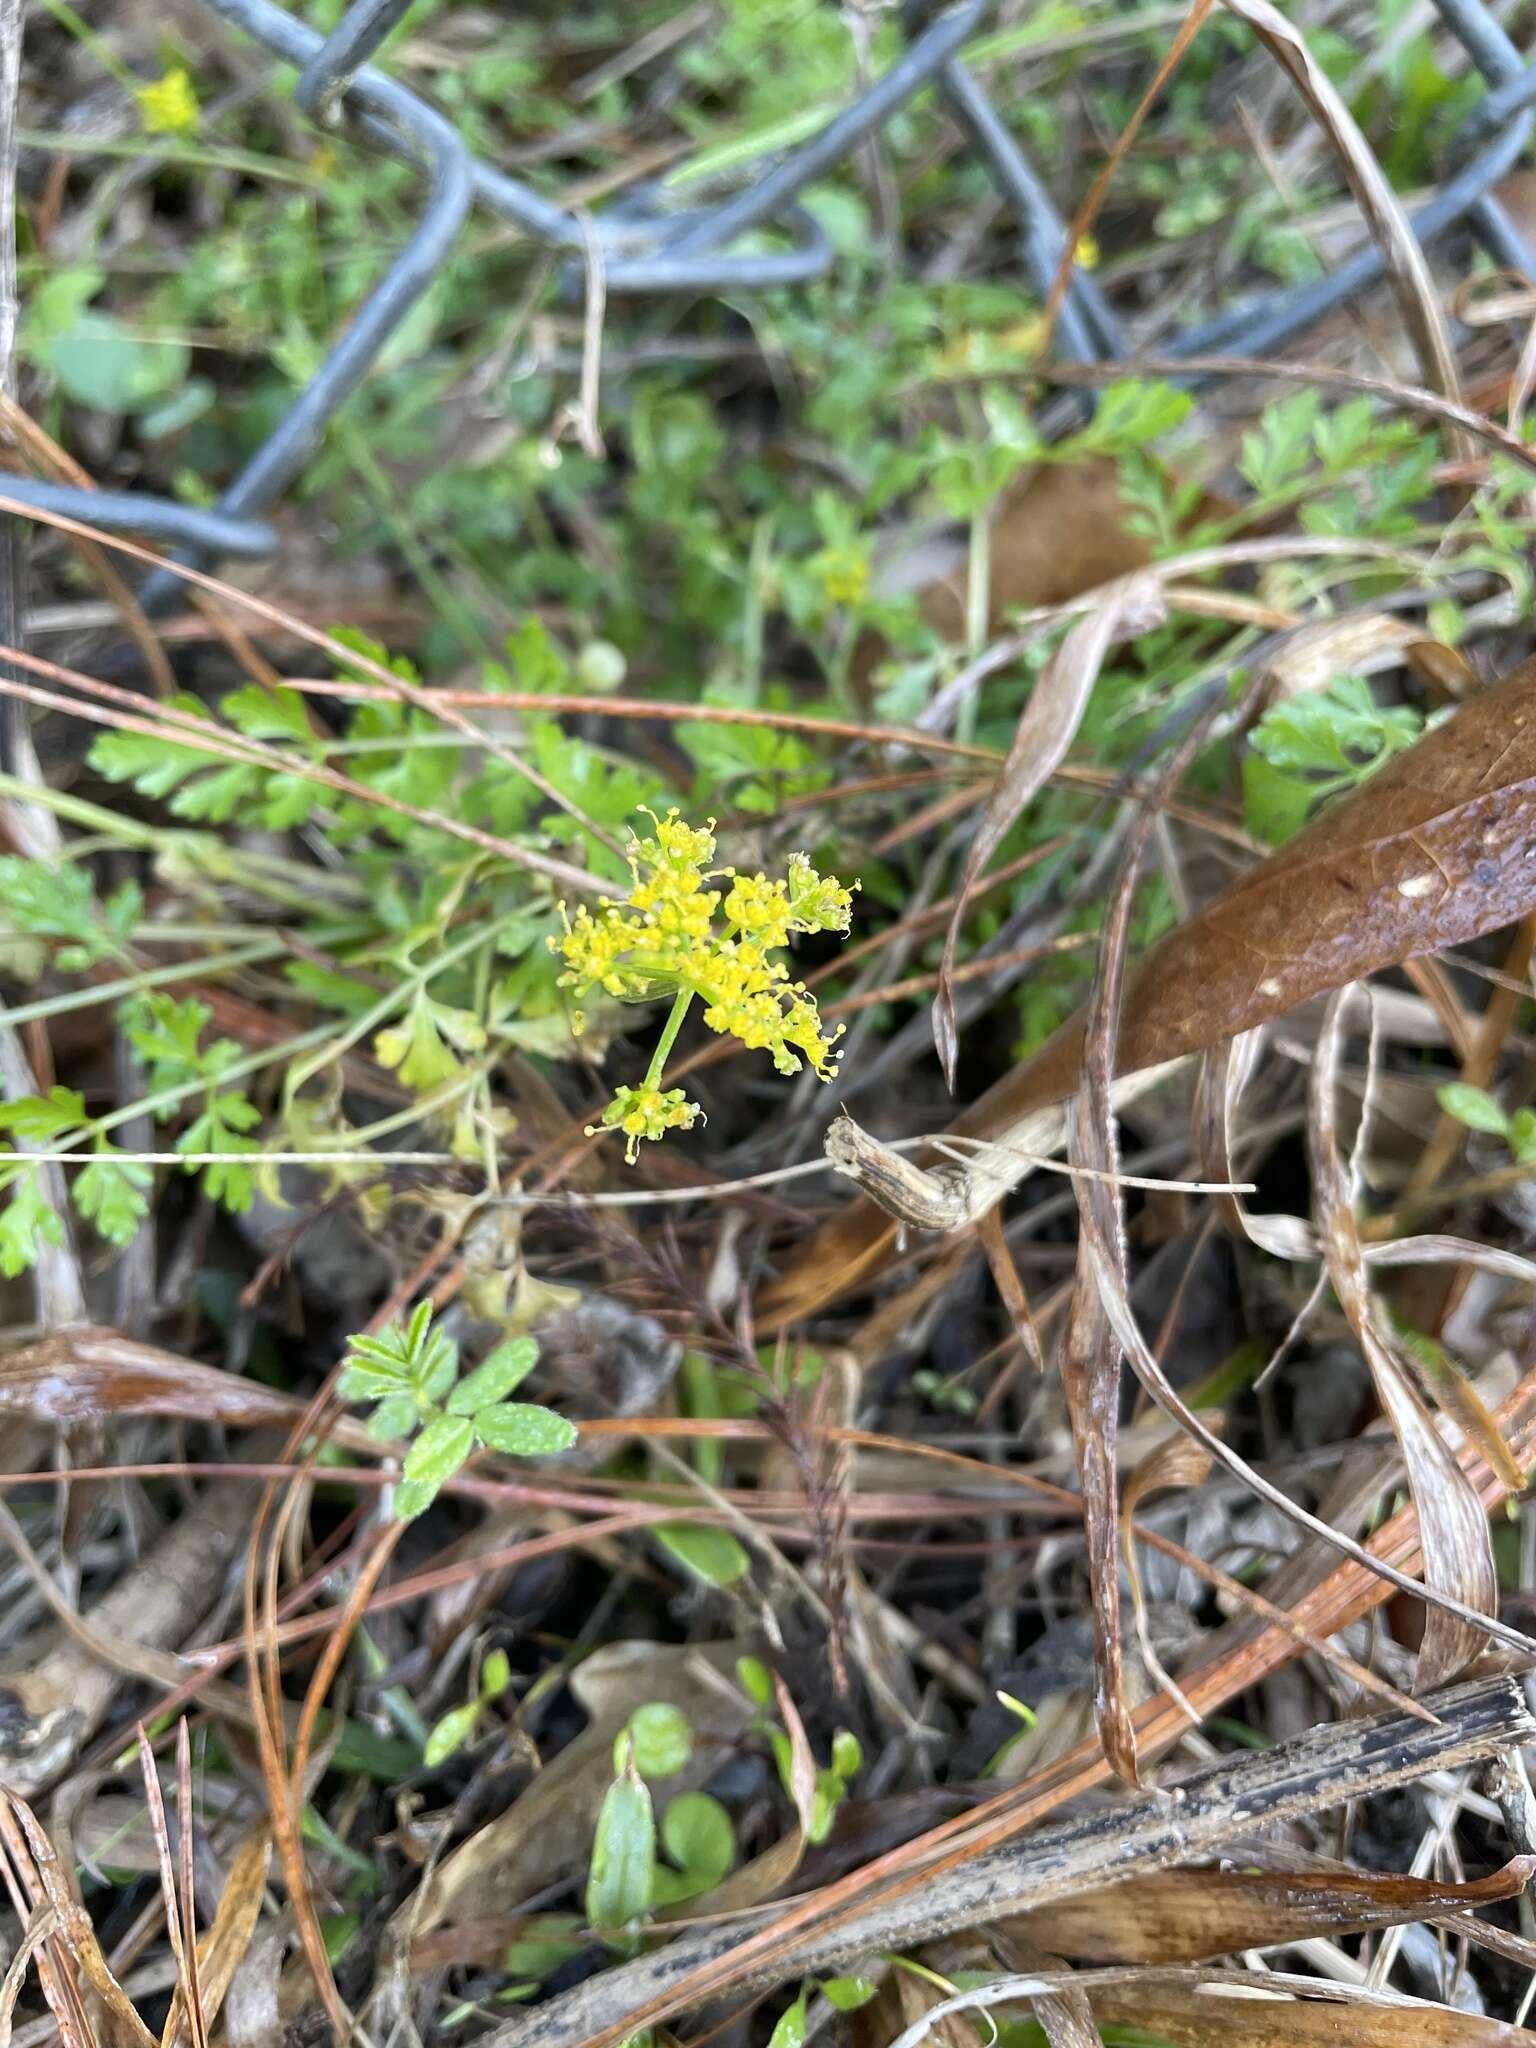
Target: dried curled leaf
[{"x": 1188, "y": 1916}]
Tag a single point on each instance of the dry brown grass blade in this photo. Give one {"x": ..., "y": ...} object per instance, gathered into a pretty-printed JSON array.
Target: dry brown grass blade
[
  {"x": 40, "y": 1928},
  {"x": 1090, "y": 1355},
  {"x": 223, "y": 1948},
  {"x": 1192, "y": 1916},
  {"x": 1454, "y": 1539},
  {"x": 1430, "y": 852},
  {"x": 1045, "y": 731},
  {"x": 117, "y": 2020},
  {"x": 1175, "y": 1462},
  {"x": 1297, "y": 2012},
  {"x": 1088, "y": 211},
  {"x": 61, "y": 1683},
  {"x": 1010, "y": 1286},
  {"x": 55, "y": 1972},
  {"x": 1405, "y": 262},
  {"x": 182, "y": 1936}
]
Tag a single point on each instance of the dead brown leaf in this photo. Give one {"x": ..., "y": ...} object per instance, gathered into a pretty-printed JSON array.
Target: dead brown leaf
[
  {"x": 1190, "y": 1916},
  {"x": 1238, "y": 2011},
  {"x": 1433, "y": 851}
]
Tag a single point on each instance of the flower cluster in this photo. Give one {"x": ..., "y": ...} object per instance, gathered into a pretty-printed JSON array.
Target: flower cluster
[{"x": 675, "y": 935}]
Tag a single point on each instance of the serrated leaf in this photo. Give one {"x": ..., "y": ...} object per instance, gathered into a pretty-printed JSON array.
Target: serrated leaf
[
  {"x": 450, "y": 1733},
  {"x": 495, "y": 1377},
  {"x": 165, "y": 1032},
  {"x": 264, "y": 714},
  {"x": 1275, "y": 805},
  {"x": 419, "y": 1051},
  {"x": 56, "y": 900},
  {"x": 523, "y": 1430},
  {"x": 221, "y": 1128},
  {"x": 431, "y": 1462}
]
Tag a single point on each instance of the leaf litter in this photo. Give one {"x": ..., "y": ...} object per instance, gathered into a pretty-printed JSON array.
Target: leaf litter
[{"x": 807, "y": 1496}]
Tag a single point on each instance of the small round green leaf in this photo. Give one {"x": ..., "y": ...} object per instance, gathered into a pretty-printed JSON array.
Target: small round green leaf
[
  {"x": 1474, "y": 1107},
  {"x": 660, "y": 1737},
  {"x": 847, "y": 1994},
  {"x": 696, "y": 1833}
]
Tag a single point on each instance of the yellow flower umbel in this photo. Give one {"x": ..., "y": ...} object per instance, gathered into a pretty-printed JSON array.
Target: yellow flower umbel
[
  {"x": 675, "y": 936},
  {"x": 168, "y": 106}
]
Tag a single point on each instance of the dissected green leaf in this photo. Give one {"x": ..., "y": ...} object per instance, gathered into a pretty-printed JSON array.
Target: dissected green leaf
[
  {"x": 27, "y": 1220},
  {"x": 110, "y": 1194}
]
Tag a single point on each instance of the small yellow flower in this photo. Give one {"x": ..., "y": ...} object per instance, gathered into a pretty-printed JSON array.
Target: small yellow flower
[
  {"x": 646, "y": 1113},
  {"x": 844, "y": 575},
  {"x": 168, "y": 105},
  {"x": 675, "y": 936},
  {"x": 1086, "y": 254}
]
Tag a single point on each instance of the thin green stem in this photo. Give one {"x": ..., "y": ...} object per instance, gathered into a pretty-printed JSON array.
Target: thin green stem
[
  {"x": 668, "y": 1037},
  {"x": 978, "y": 598}
]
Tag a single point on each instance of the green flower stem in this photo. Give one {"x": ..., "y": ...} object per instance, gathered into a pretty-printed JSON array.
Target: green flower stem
[
  {"x": 668, "y": 1037},
  {"x": 271, "y": 948},
  {"x": 978, "y": 594}
]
